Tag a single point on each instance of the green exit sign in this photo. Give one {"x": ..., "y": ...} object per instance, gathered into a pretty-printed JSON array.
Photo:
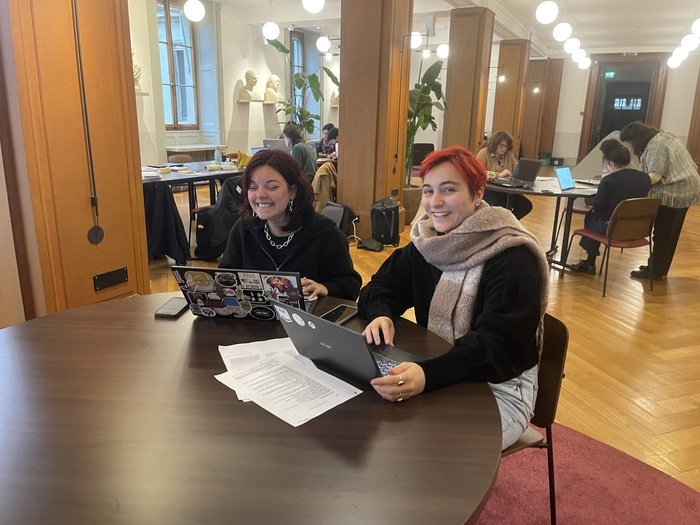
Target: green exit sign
[{"x": 609, "y": 74}]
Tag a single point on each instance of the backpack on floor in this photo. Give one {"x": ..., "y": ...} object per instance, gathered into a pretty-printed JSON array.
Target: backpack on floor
[{"x": 384, "y": 216}]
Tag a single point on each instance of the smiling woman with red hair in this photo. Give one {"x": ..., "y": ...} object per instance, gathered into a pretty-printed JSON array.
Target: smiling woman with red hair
[{"x": 476, "y": 278}]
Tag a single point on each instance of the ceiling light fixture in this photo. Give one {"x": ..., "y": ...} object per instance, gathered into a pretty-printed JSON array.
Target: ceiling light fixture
[
  {"x": 194, "y": 10},
  {"x": 673, "y": 62},
  {"x": 681, "y": 53},
  {"x": 584, "y": 63},
  {"x": 690, "y": 42},
  {"x": 562, "y": 31},
  {"x": 695, "y": 28},
  {"x": 571, "y": 45},
  {"x": 547, "y": 12},
  {"x": 313, "y": 6},
  {"x": 416, "y": 40},
  {"x": 323, "y": 44},
  {"x": 443, "y": 51},
  {"x": 578, "y": 55},
  {"x": 270, "y": 30}
]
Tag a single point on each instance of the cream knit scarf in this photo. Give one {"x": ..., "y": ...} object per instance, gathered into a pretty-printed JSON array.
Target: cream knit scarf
[{"x": 461, "y": 255}]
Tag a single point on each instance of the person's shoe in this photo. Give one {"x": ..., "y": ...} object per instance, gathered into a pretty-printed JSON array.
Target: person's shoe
[
  {"x": 584, "y": 267},
  {"x": 644, "y": 274}
]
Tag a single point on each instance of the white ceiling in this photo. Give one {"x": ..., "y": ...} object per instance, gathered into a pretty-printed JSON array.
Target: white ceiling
[{"x": 600, "y": 25}]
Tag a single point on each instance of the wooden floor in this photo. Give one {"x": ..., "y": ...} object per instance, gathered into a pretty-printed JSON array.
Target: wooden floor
[{"x": 633, "y": 368}]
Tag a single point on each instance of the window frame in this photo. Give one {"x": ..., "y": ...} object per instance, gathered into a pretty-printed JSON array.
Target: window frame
[
  {"x": 298, "y": 36},
  {"x": 176, "y": 125}
]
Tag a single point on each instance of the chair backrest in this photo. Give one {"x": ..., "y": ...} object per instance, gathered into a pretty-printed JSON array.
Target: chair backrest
[
  {"x": 180, "y": 157},
  {"x": 633, "y": 219},
  {"x": 552, "y": 359},
  {"x": 420, "y": 151}
]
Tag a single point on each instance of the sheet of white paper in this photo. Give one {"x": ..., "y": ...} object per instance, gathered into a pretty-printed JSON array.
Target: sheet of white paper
[{"x": 288, "y": 388}]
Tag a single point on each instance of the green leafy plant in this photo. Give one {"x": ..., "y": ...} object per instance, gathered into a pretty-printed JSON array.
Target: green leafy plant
[
  {"x": 420, "y": 110},
  {"x": 309, "y": 85}
]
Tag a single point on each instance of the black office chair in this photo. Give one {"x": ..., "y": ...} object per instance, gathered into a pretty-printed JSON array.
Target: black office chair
[{"x": 549, "y": 378}]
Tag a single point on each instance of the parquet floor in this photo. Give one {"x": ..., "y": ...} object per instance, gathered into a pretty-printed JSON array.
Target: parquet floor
[{"x": 633, "y": 367}]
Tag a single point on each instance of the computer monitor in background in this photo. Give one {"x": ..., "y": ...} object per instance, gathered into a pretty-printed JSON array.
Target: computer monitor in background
[{"x": 276, "y": 144}]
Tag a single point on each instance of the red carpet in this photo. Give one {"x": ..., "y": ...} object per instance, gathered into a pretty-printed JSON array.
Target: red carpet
[{"x": 595, "y": 484}]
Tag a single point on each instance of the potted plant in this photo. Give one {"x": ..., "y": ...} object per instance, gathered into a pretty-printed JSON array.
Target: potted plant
[
  {"x": 309, "y": 85},
  {"x": 420, "y": 111}
]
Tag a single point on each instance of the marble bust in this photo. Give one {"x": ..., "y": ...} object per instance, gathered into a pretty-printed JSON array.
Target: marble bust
[
  {"x": 247, "y": 91},
  {"x": 272, "y": 93}
]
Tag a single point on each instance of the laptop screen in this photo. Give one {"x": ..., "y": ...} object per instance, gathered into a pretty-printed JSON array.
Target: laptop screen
[
  {"x": 255, "y": 150},
  {"x": 526, "y": 170},
  {"x": 565, "y": 178}
]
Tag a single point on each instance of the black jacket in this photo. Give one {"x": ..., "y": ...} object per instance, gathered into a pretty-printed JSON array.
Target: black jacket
[
  {"x": 501, "y": 343},
  {"x": 318, "y": 251}
]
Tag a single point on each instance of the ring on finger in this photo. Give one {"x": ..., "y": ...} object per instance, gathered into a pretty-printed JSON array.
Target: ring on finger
[
  {"x": 401, "y": 381},
  {"x": 400, "y": 398}
]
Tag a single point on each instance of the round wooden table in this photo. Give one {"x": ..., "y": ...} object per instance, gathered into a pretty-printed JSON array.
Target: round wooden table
[{"x": 111, "y": 416}]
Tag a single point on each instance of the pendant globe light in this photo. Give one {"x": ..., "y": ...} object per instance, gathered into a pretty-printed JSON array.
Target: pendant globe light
[
  {"x": 313, "y": 6},
  {"x": 323, "y": 44},
  {"x": 562, "y": 32},
  {"x": 270, "y": 30},
  {"x": 194, "y": 10},
  {"x": 547, "y": 12}
]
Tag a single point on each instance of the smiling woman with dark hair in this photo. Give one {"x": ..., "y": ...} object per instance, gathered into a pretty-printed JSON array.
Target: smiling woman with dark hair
[
  {"x": 280, "y": 230},
  {"x": 476, "y": 278}
]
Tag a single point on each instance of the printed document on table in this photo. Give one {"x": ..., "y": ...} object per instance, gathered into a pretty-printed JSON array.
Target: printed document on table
[{"x": 288, "y": 387}]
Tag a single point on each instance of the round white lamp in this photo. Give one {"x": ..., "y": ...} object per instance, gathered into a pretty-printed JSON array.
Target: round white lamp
[
  {"x": 578, "y": 55},
  {"x": 416, "y": 40},
  {"x": 323, "y": 44},
  {"x": 426, "y": 53},
  {"x": 571, "y": 45},
  {"x": 313, "y": 6},
  {"x": 271, "y": 30},
  {"x": 584, "y": 63},
  {"x": 329, "y": 56},
  {"x": 501, "y": 78},
  {"x": 443, "y": 51},
  {"x": 536, "y": 90},
  {"x": 547, "y": 12},
  {"x": 194, "y": 10},
  {"x": 681, "y": 53},
  {"x": 673, "y": 62},
  {"x": 562, "y": 31},
  {"x": 695, "y": 28},
  {"x": 690, "y": 42}
]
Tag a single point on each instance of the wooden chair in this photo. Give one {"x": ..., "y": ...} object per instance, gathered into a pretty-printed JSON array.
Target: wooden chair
[
  {"x": 551, "y": 373},
  {"x": 630, "y": 226},
  {"x": 180, "y": 158}
]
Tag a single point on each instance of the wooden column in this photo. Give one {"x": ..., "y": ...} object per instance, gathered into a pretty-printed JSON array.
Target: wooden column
[
  {"x": 540, "y": 109},
  {"x": 694, "y": 131},
  {"x": 471, "y": 34},
  {"x": 374, "y": 73},
  {"x": 513, "y": 59},
  {"x": 56, "y": 148}
]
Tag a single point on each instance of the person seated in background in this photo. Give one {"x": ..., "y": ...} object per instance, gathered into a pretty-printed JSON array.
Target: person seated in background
[
  {"x": 620, "y": 183},
  {"x": 475, "y": 277},
  {"x": 333, "y": 139},
  {"x": 500, "y": 162},
  {"x": 324, "y": 146},
  {"x": 304, "y": 154},
  {"x": 279, "y": 230}
]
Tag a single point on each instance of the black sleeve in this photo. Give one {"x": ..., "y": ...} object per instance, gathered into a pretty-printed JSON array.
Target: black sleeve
[
  {"x": 393, "y": 289},
  {"x": 233, "y": 254},
  {"x": 339, "y": 275},
  {"x": 502, "y": 341}
]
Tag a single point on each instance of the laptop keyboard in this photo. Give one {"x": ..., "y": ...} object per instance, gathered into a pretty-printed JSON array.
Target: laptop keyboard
[{"x": 384, "y": 364}]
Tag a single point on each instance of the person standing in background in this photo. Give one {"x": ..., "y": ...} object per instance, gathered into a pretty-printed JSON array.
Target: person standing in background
[
  {"x": 304, "y": 154},
  {"x": 674, "y": 180},
  {"x": 500, "y": 162}
]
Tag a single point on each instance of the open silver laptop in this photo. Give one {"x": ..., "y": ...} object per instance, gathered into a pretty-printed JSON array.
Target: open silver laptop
[
  {"x": 337, "y": 348},
  {"x": 276, "y": 144},
  {"x": 523, "y": 176}
]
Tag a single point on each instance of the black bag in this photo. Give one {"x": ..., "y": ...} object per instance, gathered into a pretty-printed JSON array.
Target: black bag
[
  {"x": 384, "y": 216},
  {"x": 370, "y": 244},
  {"x": 214, "y": 223}
]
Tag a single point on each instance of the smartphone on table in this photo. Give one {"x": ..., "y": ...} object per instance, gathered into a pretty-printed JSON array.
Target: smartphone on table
[
  {"x": 340, "y": 314},
  {"x": 172, "y": 309}
]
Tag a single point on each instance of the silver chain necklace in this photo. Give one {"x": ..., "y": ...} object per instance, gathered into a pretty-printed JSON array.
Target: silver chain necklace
[{"x": 278, "y": 246}]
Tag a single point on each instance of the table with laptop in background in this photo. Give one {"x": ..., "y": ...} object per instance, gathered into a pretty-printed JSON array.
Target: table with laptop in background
[
  {"x": 551, "y": 187},
  {"x": 115, "y": 416}
]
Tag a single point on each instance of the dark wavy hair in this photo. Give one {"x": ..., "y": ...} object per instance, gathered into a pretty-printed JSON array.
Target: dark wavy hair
[
  {"x": 472, "y": 169},
  {"x": 616, "y": 152},
  {"x": 293, "y": 131},
  {"x": 496, "y": 139},
  {"x": 638, "y": 134},
  {"x": 287, "y": 166}
]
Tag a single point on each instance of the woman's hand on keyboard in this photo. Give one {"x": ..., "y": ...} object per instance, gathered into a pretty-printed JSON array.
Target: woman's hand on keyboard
[{"x": 403, "y": 382}]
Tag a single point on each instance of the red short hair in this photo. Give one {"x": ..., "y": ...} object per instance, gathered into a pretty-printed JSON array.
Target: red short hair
[{"x": 472, "y": 170}]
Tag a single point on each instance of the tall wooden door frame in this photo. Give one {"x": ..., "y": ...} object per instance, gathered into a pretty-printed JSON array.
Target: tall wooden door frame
[{"x": 656, "y": 96}]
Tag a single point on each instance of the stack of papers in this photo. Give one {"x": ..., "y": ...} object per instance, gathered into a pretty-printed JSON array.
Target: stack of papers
[{"x": 273, "y": 375}]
